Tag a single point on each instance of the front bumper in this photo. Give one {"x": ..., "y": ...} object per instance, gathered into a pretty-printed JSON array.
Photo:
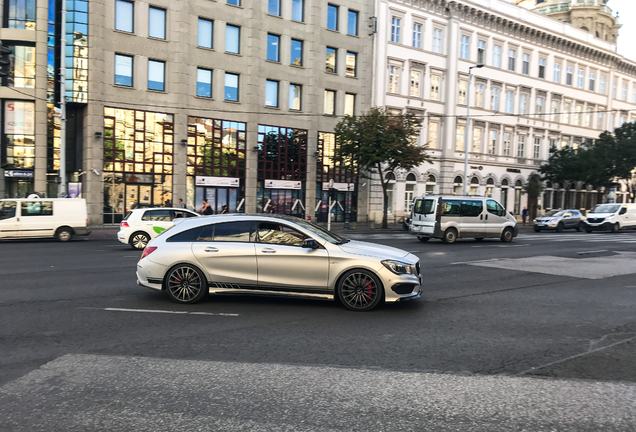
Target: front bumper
[
  {"x": 546, "y": 225},
  {"x": 603, "y": 226}
]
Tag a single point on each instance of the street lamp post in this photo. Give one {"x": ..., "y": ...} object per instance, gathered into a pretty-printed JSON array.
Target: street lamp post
[{"x": 468, "y": 129}]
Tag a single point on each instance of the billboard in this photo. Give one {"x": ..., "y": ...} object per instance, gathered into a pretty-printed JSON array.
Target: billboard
[{"x": 19, "y": 118}]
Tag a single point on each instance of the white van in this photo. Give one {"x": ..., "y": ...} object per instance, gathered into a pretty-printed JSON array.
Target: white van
[
  {"x": 61, "y": 218},
  {"x": 611, "y": 217},
  {"x": 452, "y": 217}
]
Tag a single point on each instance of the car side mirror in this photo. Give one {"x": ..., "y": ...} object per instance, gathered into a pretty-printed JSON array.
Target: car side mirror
[{"x": 310, "y": 244}]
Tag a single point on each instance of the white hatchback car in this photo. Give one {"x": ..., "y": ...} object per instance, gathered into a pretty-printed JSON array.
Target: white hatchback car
[{"x": 143, "y": 224}]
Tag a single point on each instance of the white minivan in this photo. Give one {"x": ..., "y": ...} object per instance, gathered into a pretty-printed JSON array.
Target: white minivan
[
  {"x": 611, "y": 217},
  {"x": 452, "y": 217},
  {"x": 61, "y": 218}
]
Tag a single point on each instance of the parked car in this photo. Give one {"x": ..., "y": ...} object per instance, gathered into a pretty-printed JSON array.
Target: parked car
[
  {"x": 275, "y": 255},
  {"x": 143, "y": 224},
  {"x": 559, "y": 220},
  {"x": 613, "y": 217},
  {"x": 61, "y": 218},
  {"x": 452, "y": 217}
]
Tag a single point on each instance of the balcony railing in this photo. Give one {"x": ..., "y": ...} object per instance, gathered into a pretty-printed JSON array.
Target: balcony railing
[{"x": 560, "y": 7}]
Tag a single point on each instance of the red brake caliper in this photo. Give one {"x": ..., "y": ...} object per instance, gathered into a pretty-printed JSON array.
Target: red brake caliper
[{"x": 369, "y": 289}]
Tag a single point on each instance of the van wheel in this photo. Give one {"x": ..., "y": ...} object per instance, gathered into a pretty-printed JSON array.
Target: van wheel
[
  {"x": 615, "y": 228},
  {"x": 423, "y": 239},
  {"x": 507, "y": 235},
  {"x": 64, "y": 234},
  {"x": 450, "y": 235},
  {"x": 139, "y": 240},
  {"x": 559, "y": 227}
]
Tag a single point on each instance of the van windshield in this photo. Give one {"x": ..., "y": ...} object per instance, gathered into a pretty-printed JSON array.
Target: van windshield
[
  {"x": 606, "y": 208},
  {"x": 424, "y": 206}
]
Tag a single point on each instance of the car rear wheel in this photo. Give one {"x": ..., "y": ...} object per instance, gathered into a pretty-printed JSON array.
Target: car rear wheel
[
  {"x": 450, "y": 235},
  {"x": 359, "y": 290},
  {"x": 537, "y": 229},
  {"x": 559, "y": 227},
  {"x": 423, "y": 239},
  {"x": 64, "y": 234},
  {"x": 139, "y": 240},
  {"x": 185, "y": 284},
  {"x": 507, "y": 235}
]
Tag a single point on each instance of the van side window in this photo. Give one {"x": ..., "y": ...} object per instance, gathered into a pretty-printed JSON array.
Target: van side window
[
  {"x": 451, "y": 208},
  {"x": 472, "y": 208},
  {"x": 493, "y": 207},
  {"x": 7, "y": 209},
  {"x": 37, "y": 208}
]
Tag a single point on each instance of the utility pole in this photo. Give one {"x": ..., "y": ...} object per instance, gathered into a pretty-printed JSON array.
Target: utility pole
[
  {"x": 62, "y": 187},
  {"x": 468, "y": 129}
]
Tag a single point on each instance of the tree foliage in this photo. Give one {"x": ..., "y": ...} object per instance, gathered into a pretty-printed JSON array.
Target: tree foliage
[{"x": 377, "y": 143}]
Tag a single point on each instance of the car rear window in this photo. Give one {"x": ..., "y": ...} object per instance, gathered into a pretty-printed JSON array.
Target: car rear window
[{"x": 188, "y": 236}]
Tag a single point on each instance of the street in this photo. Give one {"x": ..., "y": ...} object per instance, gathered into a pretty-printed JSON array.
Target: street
[{"x": 537, "y": 334}]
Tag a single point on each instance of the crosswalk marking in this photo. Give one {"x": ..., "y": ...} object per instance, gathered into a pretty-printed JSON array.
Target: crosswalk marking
[{"x": 624, "y": 238}]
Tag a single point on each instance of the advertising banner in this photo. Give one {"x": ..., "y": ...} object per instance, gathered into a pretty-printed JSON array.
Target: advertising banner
[
  {"x": 283, "y": 184},
  {"x": 217, "y": 181},
  {"x": 341, "y": 187},
  {"x": 19, "y": 118}
]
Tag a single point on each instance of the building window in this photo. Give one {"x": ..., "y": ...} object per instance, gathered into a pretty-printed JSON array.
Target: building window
[
  {"x": 330, "y": 65},
  {"x": 20, "y": 14},
  {"x": 557, "y": 72},
  {"x": 459, "y": 137},
  {"x": 433, "y": 128},
  {"x": 437, "y": 41},
  {"x": 295, "y": 94},
  {"x": 612, "y": 121},
  {"x": 234, "y": 2},
  {"x": 461, "y": 97},
  {"x": 539, "y": 105},
  {"x": 541, "y": 68},
  {"x": 624, "y": 92},
  {"x": 330, "y": 102},
  {"x": 477, "y": 132},
  {"x": 231, "y": 87},
  {"x": 124, "y": 16},
  {"x": 298, "y": 10},
  {"x": 123, "y": 70},
  {"x": 435, "y": 79},
  {"x": 204, "y": 82},
  {"x": 232, "y": 39},
  {"x": 156, "y": 75},
  {"x": 350, "y": 104},
  {"x": 273, "y": 7},
  {"x": 512, "y": 55},
  {"x": 417, "y": 35},
  {"x": 592, "y": 83},
  {"x": 506, "y": 143},
  {"x": 601, "y": 118},
  {"x": 496, "y": 56},
  {"x": 21, "y": 68},
  {"x": 579, "y": 80},
  {"x": 479, "y": 95},
  {"x": 156, "y": 23},
  {"x": 578, "y": 120},
  {"x": 567, "y": 107},
  {"x": 525, "y": 65},
  {"x": 523, "y": 104},
  {"x": 568, "y": 75},
  {"x": 588, "y": 115},
  {"x": 614, "y": 86},
  {"x": 273, "y": 47},
  {"x": 554, "y": 111},
  {"x": 352, "y": 23},
  {"x": 634, "y": 93},
  {"x": 510, "y": 100},
  {"x": 494, "y": 99},
  {"x": 296, "y": 52},
  {"x": 463, "y": 52},
  {"x": 395, "y": 29},
  {"x": 352, "y": 58},
  {"x": 416, "y": 77},
  {"x": 394, "y": 79},
  {"x": 537, "y": 148},
  {"x": 492, "y": 143},
  {"x": 332, "y": 17},
  {"x": 601, "y": 87},
  {"x": 481, "y": 52},
  {"x": 271, "y": 93},
  {"x": 204, "y": 33}
]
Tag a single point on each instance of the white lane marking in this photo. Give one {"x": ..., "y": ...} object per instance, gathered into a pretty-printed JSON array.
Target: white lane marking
[
  {"x": 472, "y": 262},
  {"x": 591, "y": 252},
  {"x": 514, "y": 245},
  {"x": 131, "y": 256},
  {"x": 169, "y": 312}
]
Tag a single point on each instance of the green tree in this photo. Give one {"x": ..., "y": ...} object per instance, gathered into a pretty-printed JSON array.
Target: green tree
[
  {"x": 533, "y": 188},
  {"x": 379, "y": 142}
]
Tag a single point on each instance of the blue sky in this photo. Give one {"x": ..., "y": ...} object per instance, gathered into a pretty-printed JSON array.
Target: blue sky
[{"x": 627, "y": 34}]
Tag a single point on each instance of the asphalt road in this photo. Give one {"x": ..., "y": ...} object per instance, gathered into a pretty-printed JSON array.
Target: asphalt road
[{"x": 538, "y": 334}]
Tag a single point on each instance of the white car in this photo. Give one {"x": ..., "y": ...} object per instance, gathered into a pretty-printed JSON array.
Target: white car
[{"x": 143, "y": 224}]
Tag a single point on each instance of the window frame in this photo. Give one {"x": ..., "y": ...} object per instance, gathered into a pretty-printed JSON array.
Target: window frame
[
  {"x": 229, "y": 26},
  {"x": 332, "y": 16},
  {"x": 270, "y": 37},
  {"x": 300, "y": 97},
  {"x": 355, "y": 14},
  {"x": 269, "y": 3},
  {"x": 348, "y": 55},
  {"x": 132, "y": 69},
  {"x": 333, "y": 104},
  {"x": 352, "y": 112},
  {"x": 132, "y": 16},
  {"x": 199, "y": 38},
  {"x": 164, "y": 24},
  {"x": 396, "y": 24},
  {"x": 268, "y": 85},
  {"x": 291, "y": 51},
  {"x": 438, "y": 42},
  {"x": 238, "y": 86},
  {"x": 417, "y": 34},
  {"x": 200, "y": 69}
]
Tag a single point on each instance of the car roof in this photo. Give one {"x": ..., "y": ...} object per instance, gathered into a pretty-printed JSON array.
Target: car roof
[
  {"x": 161, "y": 208},
  {"x": 204, "y": 220}
]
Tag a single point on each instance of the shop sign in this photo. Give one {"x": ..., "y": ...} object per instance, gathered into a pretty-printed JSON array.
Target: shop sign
[
  {"x": 283, "y": 184},
  {"x": 18, "y": 173},
  {"x": 513, "y": 170},
  {"x": 19, "y": 118},
  {"x": 341, "y": 187},
  {"x": 216, "y": 181}
]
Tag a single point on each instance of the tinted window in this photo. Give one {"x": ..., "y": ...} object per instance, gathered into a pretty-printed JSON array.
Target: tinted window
[
  {"x": 228, "y": 232},
  {"x": 181, "y": 214},
  {"x": 472, "y": 208},
  {"x": 606, "y": 208},
  {"x": 188, "y": 236},
  {"x": 279, "y": 234},
  {"x": 37, "y": 208},
  {"x": 157, "y": 215},
  {"x": 451, "y": 208},
  {"x": 495, "y": 208},
  {"x": 7, "y": 209}
]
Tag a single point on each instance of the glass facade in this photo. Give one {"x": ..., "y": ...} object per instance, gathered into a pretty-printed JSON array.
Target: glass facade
[
  {"x": 20, "y": 14},
  {"x": 76, "y": 56},
  {"x": 22, "y": 67}
]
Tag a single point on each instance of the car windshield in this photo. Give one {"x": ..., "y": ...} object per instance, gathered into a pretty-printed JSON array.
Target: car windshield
[
  {"x": 606, "y": 208},
  {"x": 554, "y": 213},
  {"x": 320, "y": 232}
]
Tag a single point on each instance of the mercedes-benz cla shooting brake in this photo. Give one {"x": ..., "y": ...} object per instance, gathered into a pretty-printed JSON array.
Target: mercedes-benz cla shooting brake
[{"x": 274, "y": 255}]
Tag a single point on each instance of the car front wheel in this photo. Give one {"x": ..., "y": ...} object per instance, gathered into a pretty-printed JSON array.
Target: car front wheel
[
  {"x": 185, "y": 284},
  {"x": 615, "y": 228},
  {"x": 507, "y": 235},
  {"x": 139, "y": 240},
  {"x": 359, "y": 290},
  {"x": 450, "y": 235},
  {"x": 559, "y": 227}
]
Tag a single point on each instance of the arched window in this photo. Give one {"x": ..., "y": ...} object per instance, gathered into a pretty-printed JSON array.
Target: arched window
[
  {"x": 504, "y": 183},
  {"x": 504, "y": 193},
  {"x": 409, "y": 191},
  {"x": 458, "y": 179},
  {"x": 430, "y": 184},
  {"x": 518, "y": 183},
  {"x": 490, "y": 184},
  {"x": 389, "y": 176},
  {"x": 431, "y": 179},
  {"x": 411, "y": 177},
  {"x": 457, "y": 185},
  {"x": 474, "y": 186}
]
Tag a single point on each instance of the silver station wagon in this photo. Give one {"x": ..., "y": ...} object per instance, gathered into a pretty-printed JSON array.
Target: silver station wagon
[{"x": 275, "y": 255}]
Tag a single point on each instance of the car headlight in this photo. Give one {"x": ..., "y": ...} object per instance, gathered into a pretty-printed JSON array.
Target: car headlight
[
  {"x": 554, "y": 220},
  {"x": 399, "y": 267}
]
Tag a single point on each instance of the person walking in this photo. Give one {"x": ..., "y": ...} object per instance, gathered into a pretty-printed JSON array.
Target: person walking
[
  {"x": 524, "y": 215},
  {"x": 205, "y": 209},
  {"x": 181, "y": 203}
]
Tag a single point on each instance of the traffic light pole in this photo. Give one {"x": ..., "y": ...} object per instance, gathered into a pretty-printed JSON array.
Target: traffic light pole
[{"x": 62, "y": 187}]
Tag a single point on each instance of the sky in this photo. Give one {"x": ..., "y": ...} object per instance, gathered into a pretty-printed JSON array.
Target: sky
[{"x": 627, "y": 33}]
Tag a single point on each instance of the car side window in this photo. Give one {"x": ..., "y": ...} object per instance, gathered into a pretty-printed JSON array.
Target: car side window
[
  {"x": 242, "y": 231},
  {"x": 37, "y": 208},
  {"x": 495, "y": 208},
  {"x": 471, "y": 208},
  {"x": 275, "y": 233},
  {"x": 623, "y": 211},
  {"x": 181, "y": 214},
  {"x": 451, "y": 208},
  {"x": 188, "y": 236},
  {"x": 157, "y": 215},
  {"x": 7, "y": 209}
]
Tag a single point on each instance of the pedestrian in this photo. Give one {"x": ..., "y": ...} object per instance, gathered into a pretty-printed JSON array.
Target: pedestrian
[
  {"x": 181, "y": 203},
  {"x": 271, "y": 210},
  {"x": 524, "y": 215},
  {"x": 205, "y": 209},
  {"x": 224, "y": 209}
]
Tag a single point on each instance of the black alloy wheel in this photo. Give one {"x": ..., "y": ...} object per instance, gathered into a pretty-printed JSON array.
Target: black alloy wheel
[
  {"x": 559, "y": 227},
  {"x": 359, "y": 290},
  {"x": 579, "y": 227},
  {"x": 185, "y": 284},
  {"x": 537, "y": 229}
]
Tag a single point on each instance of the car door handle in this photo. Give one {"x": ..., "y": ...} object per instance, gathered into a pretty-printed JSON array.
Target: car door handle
[
  {"x": 211, "y": 249},
  {"x": 268, "y": 251},
  {"x": 486, "y": 217}
]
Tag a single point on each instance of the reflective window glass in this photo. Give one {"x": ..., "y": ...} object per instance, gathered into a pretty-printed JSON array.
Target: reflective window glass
[
  {"x": 273, "y": 7},
  {"x": 271, "y": 93},
  {"x": 234, "y": 231},
  {"x": 123, "y": 70},
  {"x": 37, "y": 208},
  {"x": 7, "y": 209},
  {"x": 204, "y": 82},
  {"x": 21, "y": 67},
  {"x": 451, "y": 207},
  {"x": 296, "y": 52},
  {"x": 157, "y": 215},
  {"x": 471, "y": 208},
  {"x": 20, "y": 14},
  {"x": 295, "y": 91},
  {"x": 495, "y": 208},
  {"x": 204, "y": 34},
  {"x": 352, "y": 23},
  {"x": 298, "y": 10},
  {"x": 274, "y": 233},
  {"x": 273, "y": 44},
  {"x": 232, "y": 39},
  {"x": 332, "y": 17},
  {"x": 231, "y": 87},
  {"x": 124, "y": 16},
  {"x": 156, "y": 72},
  {"x": 188, "y": 236},
  {"x": 330, "y": 65},
  {"x": 156, "y": 23}
]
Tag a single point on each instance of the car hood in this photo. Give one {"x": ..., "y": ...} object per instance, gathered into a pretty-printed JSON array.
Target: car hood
[{"x": 373, "y": 250}]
